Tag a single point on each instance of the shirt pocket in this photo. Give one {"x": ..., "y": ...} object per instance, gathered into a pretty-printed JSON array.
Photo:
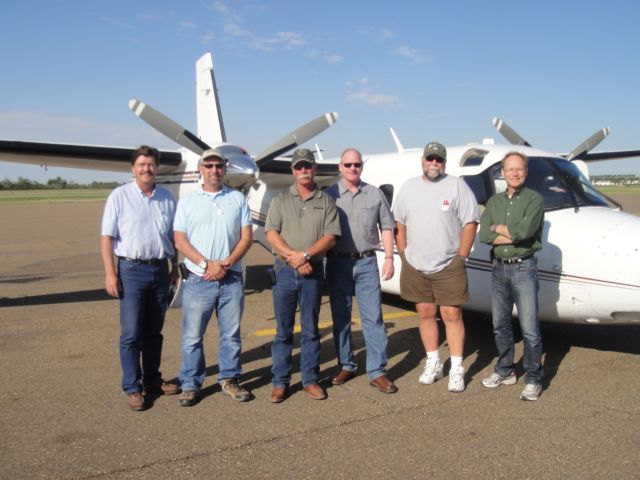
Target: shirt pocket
[{"x": 368, "y": 220}]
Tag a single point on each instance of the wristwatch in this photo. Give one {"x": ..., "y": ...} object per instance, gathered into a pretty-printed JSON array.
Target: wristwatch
[
  {"x": 203, "y": 263},
  {"x": 307, "y": 257}
]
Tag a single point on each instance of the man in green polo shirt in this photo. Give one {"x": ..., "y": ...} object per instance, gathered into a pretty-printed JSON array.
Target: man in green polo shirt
[
  {"x": 512, "y": 222},
  {"x": 302, "y": 224}
]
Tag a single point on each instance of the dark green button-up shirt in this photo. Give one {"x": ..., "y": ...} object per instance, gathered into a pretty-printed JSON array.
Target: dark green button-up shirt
[{"x": 523, "y": 214}]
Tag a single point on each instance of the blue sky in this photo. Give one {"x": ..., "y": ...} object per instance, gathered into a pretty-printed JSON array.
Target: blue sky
[{"x": 555, "y": 71}]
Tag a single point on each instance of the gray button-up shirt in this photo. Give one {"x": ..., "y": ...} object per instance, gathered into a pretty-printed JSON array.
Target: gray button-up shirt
[{"x": 362, "y": 214}]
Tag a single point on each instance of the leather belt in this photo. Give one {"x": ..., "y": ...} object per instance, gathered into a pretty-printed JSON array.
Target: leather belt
[
  {"x": 512, "y": 260},
  {"x": 352, "y": 255},
  {"x": 142, "y": 261}
]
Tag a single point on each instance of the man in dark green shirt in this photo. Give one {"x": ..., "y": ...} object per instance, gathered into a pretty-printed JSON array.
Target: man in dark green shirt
[{"x": 512, "y": 222}]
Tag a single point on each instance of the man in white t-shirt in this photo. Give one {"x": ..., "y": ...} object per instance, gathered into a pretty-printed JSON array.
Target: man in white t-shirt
[{"x": 436, "y": 218}]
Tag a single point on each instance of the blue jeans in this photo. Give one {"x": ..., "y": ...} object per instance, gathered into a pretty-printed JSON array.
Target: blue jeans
[
  {"x": 345, "y": 278},
  {"x": 200, "y": 298},
  {"x": 143, "y": 303},
  {"x": 517, "y": 283},
  {"x": 292, "y": 289}
]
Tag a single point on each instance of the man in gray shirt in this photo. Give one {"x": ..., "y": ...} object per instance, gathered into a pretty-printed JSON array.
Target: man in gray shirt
[
  {"x": 352, "y": 268},
  {"x": 436, "y": 217}
]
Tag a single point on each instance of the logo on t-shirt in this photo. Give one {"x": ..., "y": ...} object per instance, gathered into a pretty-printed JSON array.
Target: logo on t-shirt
[{"x": 445, "y": 205}]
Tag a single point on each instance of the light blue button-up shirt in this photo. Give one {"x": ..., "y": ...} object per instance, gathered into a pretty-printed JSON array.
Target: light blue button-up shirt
[
  {"x": 212, "y": 223},
  {"x": 141, "y": 225}
]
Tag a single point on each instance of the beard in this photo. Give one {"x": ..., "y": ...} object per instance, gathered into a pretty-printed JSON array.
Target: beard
[{"x": 432, "y": 173}]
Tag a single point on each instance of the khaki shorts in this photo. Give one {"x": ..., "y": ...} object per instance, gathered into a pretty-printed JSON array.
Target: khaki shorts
[{"x": 447, "y": 287}]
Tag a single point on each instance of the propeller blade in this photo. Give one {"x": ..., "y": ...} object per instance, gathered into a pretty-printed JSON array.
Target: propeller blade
[
  {"x": 509, "y": 133},
  {"x": 168, "y": 127},
  {"x": 298, "y": 137},
  {"x": 589, "y": 144}
]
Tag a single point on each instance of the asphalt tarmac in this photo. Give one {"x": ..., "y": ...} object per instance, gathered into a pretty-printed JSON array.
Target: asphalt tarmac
[{"x": 62, "y": 414}]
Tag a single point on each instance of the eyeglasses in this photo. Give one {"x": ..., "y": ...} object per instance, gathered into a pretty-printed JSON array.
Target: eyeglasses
[
  {"x": 301, "y": 165},
  {"x": 349, "y": 165},
  {"x": 217, "y": 166},
  {"x": 431, "y": 158}
]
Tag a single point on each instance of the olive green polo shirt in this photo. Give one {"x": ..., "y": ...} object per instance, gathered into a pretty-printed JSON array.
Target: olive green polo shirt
[
  {"x": 301, "y": 223},
  {"x": 523, "y": 214}
]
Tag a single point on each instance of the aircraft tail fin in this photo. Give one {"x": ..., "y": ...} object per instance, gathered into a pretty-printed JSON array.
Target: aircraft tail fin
[{"x": 210, "y": 124}]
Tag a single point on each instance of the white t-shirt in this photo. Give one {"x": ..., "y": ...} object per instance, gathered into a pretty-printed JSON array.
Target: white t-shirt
[{"x": 434, "y": 213}]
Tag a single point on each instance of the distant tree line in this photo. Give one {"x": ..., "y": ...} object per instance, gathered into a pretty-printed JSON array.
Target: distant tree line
[
  {"x": 615, "y": 179},
  {"x": 52, "y": 184}
]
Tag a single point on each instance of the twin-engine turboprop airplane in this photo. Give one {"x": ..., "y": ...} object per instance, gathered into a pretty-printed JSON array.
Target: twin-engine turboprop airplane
[{"x": 589, "y": 266}]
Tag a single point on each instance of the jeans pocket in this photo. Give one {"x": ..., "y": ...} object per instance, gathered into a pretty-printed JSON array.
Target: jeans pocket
[{"x": 192, "y": 279}]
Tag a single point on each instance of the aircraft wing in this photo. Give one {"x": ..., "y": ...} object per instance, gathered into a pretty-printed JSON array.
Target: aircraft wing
[
  {"x": 596, "y": 156},
  {"x": 91, "y": 157}
]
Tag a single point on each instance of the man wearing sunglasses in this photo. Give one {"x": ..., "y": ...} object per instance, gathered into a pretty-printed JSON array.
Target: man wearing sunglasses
[
  {"x": 437, "y": 217},
  {"x": 302, "y": 224},
  {"x": 352, "y": 268},
  {"x": 213, "y": 231}
]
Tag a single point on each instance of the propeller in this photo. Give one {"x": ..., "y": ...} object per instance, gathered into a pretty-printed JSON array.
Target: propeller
[
  {"x": 168, "y": 127},
  {"x": 297, "y": 137},
  {"x": 589, "y": 144},
  {"x": 509, "y": 133}
]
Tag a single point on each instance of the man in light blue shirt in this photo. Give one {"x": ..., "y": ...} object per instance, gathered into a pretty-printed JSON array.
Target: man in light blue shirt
[
  {"x": 213, "y": 231},
  {"x": 137, "y": 228}
]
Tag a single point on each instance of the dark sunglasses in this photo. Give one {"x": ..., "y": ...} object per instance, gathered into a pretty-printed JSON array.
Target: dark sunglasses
[
  {"x": 301, "y": 165},
  {"x": 217, "y": 166},
  {"x": 349, "y": 165},
  {"x": 431, "y": 158}
]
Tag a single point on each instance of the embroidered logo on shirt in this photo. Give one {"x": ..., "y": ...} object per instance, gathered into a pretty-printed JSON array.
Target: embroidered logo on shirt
[{"x": 445, "y": 205}]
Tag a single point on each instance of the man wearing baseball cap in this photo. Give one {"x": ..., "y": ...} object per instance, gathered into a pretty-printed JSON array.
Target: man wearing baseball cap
[
  {"x": 436, "y": 217},
  {"x": 213, "y": 231},
  {"x": 302, "y": 224}
]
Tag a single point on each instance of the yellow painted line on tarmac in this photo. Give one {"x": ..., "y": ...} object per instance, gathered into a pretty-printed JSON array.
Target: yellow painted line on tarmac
[{"x": 269, "y": 332}]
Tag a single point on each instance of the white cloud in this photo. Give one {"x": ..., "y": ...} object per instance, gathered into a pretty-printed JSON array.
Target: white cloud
[
  {"x": 410, "y": 53},
  {"x": 385, "y": 34},
  {"x": 188, "y": 24},
  {"x": 382, "y": 34},
  {"x": 207, "y": 37},
  {"x": 235, "y": 30},
  {"x": 334, "y": 58},
  {"x": 371, "y": 99},
  {"x": 220, "y": 7}
]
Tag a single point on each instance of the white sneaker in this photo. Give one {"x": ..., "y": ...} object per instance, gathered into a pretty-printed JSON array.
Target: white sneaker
[
  {"x": 531, "y": 392},
  {"x": 456, "y": 379},
  {"x": 432, "y": 372},
  {"x": 495, "y": 380}
]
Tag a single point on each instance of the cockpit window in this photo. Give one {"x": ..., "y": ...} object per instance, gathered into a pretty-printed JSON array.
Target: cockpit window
[{"x": 560, "y": 183}]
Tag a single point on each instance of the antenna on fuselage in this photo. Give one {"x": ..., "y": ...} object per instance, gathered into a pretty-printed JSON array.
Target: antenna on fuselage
[{"x": 396, "y": 140}]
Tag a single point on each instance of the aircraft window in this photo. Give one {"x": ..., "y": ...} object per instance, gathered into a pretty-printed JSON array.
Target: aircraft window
[
  {"x": 472, "y": 157},
  {"x": 560, "y": 183},
  {"x": 387, "y": 190}
]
